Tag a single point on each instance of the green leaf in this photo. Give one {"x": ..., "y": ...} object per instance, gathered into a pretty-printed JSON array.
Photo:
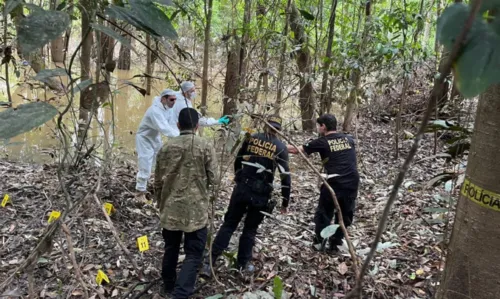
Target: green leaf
[
  {"x": 218, "y": 296},
  {"x": 145, "y": 16},
  {"x": 328, "y": 231},
  {"x": 307, "y": 15},
  {"x": 139, "y": 287},
  {"x": 40, "y": 27},
  {"x": 278, "y": 287},
  {"x": 42, "y": 260},
  {"x": 477, "y": 68},
  {"x": 154, "y": 18},
  {"x": 82, "y": 86},
  {"x": 10, "y": 5},
  {"x": 25, "y": 118},
  {"x": 61, "y": 5},
  {"x": 45, "y": 74},
  {"x": 110, "y": 32}
]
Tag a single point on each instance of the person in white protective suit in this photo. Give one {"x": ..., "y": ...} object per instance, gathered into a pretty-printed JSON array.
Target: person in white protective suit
[
  {"x": 185, "y": 96},
  {"x": 159, "y": 119}
]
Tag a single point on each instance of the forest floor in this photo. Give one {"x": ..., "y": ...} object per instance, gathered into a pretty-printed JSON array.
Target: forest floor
[{"x": 408, "y": 264}]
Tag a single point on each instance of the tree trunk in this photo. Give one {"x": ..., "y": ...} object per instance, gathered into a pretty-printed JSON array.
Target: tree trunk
[
  {"x": 124, "y": 56},
  {"x": 281, "y": 66},
  {"x": 85, "y": 70},
  {"x": 244, "y": 43},
  {"x": 149, "y": 66},
  {"x": 352, "y": 101},
  {"x": 57, "y": 45},
  {"x": 471, "y": 262},
  {"x": 232, "y": 82},
  {"x": 304, "y": 63},
  {"x": 206, "y": 56},
  {"x": 264, "y": 62},
  {"x": 324, "y": 100}
]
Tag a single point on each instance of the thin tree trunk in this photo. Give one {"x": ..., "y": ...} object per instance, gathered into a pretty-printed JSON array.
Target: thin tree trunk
[
  {"x": 85, "y": 70},
  {"x": 232, "y": 82},
  {"x": 326, "y": 67},
  {"x": 281, "y": 66},
  {"x": 57, "y": 45},
  {"x": 264, "y": 75},
  {"x": 124, "y": 56},
  {"x": 206, "y": 55},
  {"x": 471, "y": 263},
  {"x": 244, "y": 43},
  {"x": 149, "y": 68},
  {"x": 352, "y": 101},
  {"x": 304, "y": 63}
]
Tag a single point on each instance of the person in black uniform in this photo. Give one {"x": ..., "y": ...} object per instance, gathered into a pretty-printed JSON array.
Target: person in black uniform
[
  {"x": 337, "y": 151},
  {"x": 254, "y": 167}
]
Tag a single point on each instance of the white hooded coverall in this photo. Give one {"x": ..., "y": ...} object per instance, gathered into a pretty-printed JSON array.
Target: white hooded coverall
[
  {"x": 182, "y": 103},
  {"x": 157, "y": 120}
]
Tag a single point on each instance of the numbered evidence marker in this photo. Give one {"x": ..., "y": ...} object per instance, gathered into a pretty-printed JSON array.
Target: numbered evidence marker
[
  {"x": 100, "y": 277},
  {"x": 6, "y": 199},
  {"x": 53, "y": 216},
  {"x": 142, "y": 243},
  {"x": 109, "y": 208}
]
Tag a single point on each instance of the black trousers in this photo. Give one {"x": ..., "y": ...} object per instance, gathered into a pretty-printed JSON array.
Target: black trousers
[
  {"x": 243, "y": 201},
  {"x": 325, "y": 211},
  {"x": 194, "y": 245}
]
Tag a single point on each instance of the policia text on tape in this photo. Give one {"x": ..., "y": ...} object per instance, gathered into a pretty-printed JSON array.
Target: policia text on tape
[{"x": 481, "y": 196}]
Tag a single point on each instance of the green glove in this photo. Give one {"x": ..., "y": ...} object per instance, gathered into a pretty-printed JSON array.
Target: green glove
[{"x": 224, "y": 120}]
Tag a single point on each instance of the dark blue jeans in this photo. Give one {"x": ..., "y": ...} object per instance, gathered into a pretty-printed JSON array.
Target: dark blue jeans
[
  {"x": 243, "y": 201},
  {"x": 194, "y": 244},
  {"x": 326, "y": 210}
]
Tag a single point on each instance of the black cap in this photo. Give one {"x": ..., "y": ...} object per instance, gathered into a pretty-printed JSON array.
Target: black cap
[
  {"x": 275, "y": 121},
  {"x": 188, "y": 118}
]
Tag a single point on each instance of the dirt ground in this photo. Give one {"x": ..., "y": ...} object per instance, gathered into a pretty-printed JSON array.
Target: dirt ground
[{"x": 408, "y": 264}]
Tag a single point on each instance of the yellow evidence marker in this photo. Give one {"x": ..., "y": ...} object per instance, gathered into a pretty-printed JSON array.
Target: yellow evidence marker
[
  {"x": 53, "y": 216},
  {"x": 100, "y": 277},
  {"x": 109, "y": 208},
  {"x": 6, "y": 199},
  {"x": 142, "y": 243}
]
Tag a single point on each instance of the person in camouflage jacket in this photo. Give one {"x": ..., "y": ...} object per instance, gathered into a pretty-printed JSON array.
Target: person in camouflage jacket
[{"x": 185, "y": 169}]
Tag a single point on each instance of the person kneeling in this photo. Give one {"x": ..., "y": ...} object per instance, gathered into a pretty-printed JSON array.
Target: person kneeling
[{"x": 185, "y": 168}]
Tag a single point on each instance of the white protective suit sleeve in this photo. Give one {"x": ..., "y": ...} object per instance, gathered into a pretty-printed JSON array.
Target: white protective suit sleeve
[
  {"x": 182, "y": 103},
  {"x": 161, "y": 124}
]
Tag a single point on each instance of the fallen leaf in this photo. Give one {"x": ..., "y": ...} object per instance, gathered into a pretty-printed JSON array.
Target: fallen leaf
[{"x": 342, "y": 268}]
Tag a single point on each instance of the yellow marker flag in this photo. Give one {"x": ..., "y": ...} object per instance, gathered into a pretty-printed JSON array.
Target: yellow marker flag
[
  {"x": 53, "y": 216},
  {"x": 142, "y": 243},
  {"x": 109, "y": 208},
  {"x": 6, "y": 199},
  {"x": 100, "y": 277}
]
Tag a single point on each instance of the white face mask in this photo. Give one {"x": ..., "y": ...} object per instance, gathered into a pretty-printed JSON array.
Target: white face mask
[{"x": 193, "y": 95}]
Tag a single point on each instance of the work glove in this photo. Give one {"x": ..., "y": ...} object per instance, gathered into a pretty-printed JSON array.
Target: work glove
[{"x": 224, "y": 120}]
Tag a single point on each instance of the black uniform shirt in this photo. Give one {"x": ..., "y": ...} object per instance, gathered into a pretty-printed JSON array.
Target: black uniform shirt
[
  {"x": 338, "y": 155},
  {"x": 258, "y": 158}
]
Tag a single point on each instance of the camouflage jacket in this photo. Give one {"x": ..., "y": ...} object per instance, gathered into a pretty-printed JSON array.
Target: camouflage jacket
[{"x": 185, "y": 168}]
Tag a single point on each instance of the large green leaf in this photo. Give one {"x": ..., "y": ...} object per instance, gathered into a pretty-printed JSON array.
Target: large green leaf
[
  {"x": 144, "y": 15},
  {"x": 24, "y": 118},
  {"x": 478, "y": 66},
  {"x": 110, "y": 32},
  {"x": 82, "y": 86},
  {"x": 10, "y": 5},
  {"x": 40, "y": 27},
  {"x": 328, "y": 231},
  {"x": 153, "y": 17},
  {"x": 45, "y": 74}
]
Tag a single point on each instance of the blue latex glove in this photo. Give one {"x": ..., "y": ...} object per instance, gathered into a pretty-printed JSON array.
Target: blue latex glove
[{"x": 224, "y": 120}]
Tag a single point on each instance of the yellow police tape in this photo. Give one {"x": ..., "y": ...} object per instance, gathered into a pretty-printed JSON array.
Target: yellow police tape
[{"x": 485, "y": 198}]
